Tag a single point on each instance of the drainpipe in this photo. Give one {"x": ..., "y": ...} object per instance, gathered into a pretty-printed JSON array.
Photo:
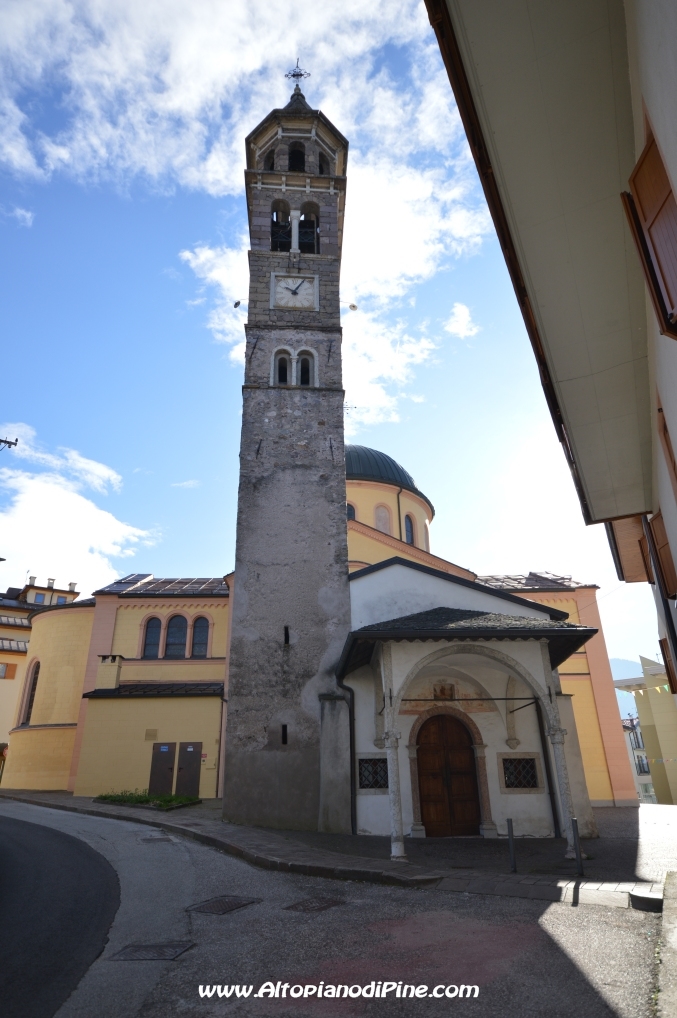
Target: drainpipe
[
  {"x": 353, "y": 783},
  {"x": 399, "y": 511}
]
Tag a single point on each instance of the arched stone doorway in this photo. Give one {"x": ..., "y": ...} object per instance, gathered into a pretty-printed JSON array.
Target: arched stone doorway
[{"x": 447, "y": 778}]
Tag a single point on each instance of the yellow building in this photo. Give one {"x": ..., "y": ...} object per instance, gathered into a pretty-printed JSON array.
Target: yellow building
[
  {"x": 16, "y": 604},
  {"x": 114, "y": 681},
  {"x": 114, "y": 678},
  {"x": 657, "y": 712}
]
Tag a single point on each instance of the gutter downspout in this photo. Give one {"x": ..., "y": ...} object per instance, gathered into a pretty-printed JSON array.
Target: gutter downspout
[{"x": 351, "y": 719}]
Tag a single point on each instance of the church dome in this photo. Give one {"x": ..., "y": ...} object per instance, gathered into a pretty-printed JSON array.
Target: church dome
[{"x": 363, "y": 464}]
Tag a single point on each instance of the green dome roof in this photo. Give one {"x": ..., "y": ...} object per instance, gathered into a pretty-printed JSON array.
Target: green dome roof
[{"x": 363, "y": 464}]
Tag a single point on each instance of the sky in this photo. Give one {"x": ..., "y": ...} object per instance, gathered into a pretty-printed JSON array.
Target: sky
[{"x": 123, "y": 245}]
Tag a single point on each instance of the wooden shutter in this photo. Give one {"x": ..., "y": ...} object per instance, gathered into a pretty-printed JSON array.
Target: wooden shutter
[
  {"x": 657, "y": 211},
  {"x": 666, "y": 562},
  {"x": 669, "y": 665},
  {"x": 668, "y": 450},
  {"x": 646, "y": 558}
]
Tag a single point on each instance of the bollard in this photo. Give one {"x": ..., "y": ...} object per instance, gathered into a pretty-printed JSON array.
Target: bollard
[
  {"x": 511, "y": 843},
  {"x": 577, "y": 847}
]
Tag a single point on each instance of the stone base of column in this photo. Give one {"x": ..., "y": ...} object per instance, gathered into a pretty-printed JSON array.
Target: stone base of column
[
  {"x": 488, "y": 829},
  {"x": 417, "y": 831}
]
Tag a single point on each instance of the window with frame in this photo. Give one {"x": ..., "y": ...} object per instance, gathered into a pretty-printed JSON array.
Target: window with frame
[
  {"x": 306, "y": 368},
  {"x": 309, "y": 229},
  {"x": 642, "y": 764},
  {"x": 350, "y": 511},
  {"x": 669, "y": 664},
  {"x": 200, "y": 637},
  {"x": 652, "y": 214},
  {"x": 39, "y": 598},
  {"x": 151, "y": 639},
  {"x": 373, "y": 773},
  {"x": 382, "y": 519},
  {"x": 409, "y": 529},
  {"x": 31, "y": 696},
  {"x": 177, "y": 630},
  {"x": 282, "y": 373},
  {"x": 520, "y": 772}
]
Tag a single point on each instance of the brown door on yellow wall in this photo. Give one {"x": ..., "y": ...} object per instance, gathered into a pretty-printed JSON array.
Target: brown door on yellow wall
[
  {"x": 447, "y": 779},
  {"x": 162, "y": 768},
  {"x": 188, "y": 776}
]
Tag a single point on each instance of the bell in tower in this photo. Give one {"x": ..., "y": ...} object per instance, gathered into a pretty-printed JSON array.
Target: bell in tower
[{"x": 287, "y": 761}]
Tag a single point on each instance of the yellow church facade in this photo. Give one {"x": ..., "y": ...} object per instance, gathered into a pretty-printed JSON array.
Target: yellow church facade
[{"x": 124, "y": 690}]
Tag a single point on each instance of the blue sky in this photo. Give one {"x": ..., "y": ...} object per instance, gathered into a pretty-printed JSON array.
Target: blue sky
[{"x": 122, "y": 231}]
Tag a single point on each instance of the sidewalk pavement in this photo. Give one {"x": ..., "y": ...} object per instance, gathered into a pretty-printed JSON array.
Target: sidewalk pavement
[{"x": 626, "y": 868}]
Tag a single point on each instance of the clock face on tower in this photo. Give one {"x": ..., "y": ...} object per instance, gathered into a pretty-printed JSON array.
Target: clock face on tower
[{"x": 294, "y": 292}]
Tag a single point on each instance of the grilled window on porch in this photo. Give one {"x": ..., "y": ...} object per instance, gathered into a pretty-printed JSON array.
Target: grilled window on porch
[
  {"x": 373, "y": 773},
  {"x": 520, "y": 772}
]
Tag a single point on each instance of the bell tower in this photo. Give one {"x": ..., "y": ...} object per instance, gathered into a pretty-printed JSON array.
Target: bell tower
[{"x": 287, "y": 759}]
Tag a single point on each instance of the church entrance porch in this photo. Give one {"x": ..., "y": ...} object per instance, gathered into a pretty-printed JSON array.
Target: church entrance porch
[{"x": 447, "y": 777}]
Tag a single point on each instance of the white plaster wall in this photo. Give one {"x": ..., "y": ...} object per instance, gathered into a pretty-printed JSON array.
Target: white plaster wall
[{"x": 396, "y": 591}]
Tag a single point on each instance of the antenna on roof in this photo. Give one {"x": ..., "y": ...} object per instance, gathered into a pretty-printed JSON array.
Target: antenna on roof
[{"x": 297, "y": 74}]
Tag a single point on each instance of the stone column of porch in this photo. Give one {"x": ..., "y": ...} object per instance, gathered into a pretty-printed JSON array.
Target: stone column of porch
[{"x": 391, "y": 738}]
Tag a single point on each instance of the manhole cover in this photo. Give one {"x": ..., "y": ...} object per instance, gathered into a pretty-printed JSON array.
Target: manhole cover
[
  {"x": 223, "y": 904},
  {"x": 154, "y": 952},
  {"x": 313, "y": 905}
]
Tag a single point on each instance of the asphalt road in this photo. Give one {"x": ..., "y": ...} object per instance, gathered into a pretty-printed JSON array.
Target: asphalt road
[
  {"x": 529, "y": 959},
  {"x": 58, "y": 899}
]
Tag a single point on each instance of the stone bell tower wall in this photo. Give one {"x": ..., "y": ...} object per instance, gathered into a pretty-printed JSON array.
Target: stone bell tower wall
[{"x": 287, "y": 757}]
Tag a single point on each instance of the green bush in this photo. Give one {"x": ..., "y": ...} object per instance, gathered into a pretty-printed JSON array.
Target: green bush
[{"x": 137, "y": 798}]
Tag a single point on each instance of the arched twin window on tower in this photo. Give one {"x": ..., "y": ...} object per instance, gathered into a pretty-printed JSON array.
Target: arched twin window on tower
[
  {"x": 281, "y": 232},
  {"x": 291, "y": 368},
  {"x": 176, "y": 637}
]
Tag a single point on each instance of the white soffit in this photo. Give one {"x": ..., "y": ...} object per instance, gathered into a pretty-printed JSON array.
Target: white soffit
[{"x": 551, "y": 86}]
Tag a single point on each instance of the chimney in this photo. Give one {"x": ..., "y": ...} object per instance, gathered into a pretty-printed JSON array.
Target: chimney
[
  {"x": 31, "y": 581},
  {"x": 50, "y": 584},
  {"x": 72, "y": 586}
]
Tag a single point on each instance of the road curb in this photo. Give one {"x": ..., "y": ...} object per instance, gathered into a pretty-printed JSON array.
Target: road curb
[
  {"x": 667, "y": 970},
  {"x": 269, "y": 851}
]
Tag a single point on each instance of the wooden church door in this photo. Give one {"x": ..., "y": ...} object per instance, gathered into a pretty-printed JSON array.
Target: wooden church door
[{"x": 447, "y": 778}]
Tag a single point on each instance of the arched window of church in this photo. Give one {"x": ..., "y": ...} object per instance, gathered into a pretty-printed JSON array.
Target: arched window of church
[
  {"x": 297, "y": 157},
  {"x": 282, "y": 369},
  {"x": 280, "y": 226},
  {"x": 269, "y": 161},
  {"x": 151, "y": 642},
  {"x": 309, "y": 229},
  {"x": 409, "y": 529},
  {"x": 305, "y": 368},
  {"x": 323, "y": 165},
  {"x": 382, "y": 519},
  {"x": 200, "y": 637},
  {"x": 177, "y": 629},
  {"x": 31, "y": 695},
  {"x": 350, "y": 511}
]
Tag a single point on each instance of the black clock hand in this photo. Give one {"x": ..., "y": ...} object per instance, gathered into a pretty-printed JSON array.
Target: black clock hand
[{"x": 298, "y": 287}]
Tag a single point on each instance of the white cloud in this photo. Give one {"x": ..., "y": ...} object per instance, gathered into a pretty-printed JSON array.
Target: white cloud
[
  {"x": 23, "y": 216},
  {"x": 186, "y": 484},
  {"x": 226, "y": 269},
  {"x": 460, "y": 322},
  {"x": 88, "y": 472},
  {"x": 50, "y": 528}
]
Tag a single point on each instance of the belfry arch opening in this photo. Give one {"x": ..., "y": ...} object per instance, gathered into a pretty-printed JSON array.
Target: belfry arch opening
[
  {"x": 306, "y": 368},
  {"x": 269, "y": 160},
  {"x": 297, "y": 157},
  {"x": 280, "y": 226},
  {"x": 282, "y": 368},
  {"x": 323, "y": 165},
  {"x": 309, "y": 229}
]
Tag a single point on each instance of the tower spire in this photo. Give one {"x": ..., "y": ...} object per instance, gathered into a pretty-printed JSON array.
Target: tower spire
[{"x": 297, "y": 74}]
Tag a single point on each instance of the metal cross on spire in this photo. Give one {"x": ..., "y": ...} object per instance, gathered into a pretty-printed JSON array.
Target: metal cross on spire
[{"x": 297, "y": 74}]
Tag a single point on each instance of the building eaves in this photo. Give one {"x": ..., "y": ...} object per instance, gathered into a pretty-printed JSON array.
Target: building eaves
[
  {"x": 87, "y": 602},
  {"x": 457, "y": 624},
  {"x": 534, "y": 582},
  {"x": 554, "y": 613},
  {"x": 14, "y": 646},
  {"x": 128, "y": 690}
]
